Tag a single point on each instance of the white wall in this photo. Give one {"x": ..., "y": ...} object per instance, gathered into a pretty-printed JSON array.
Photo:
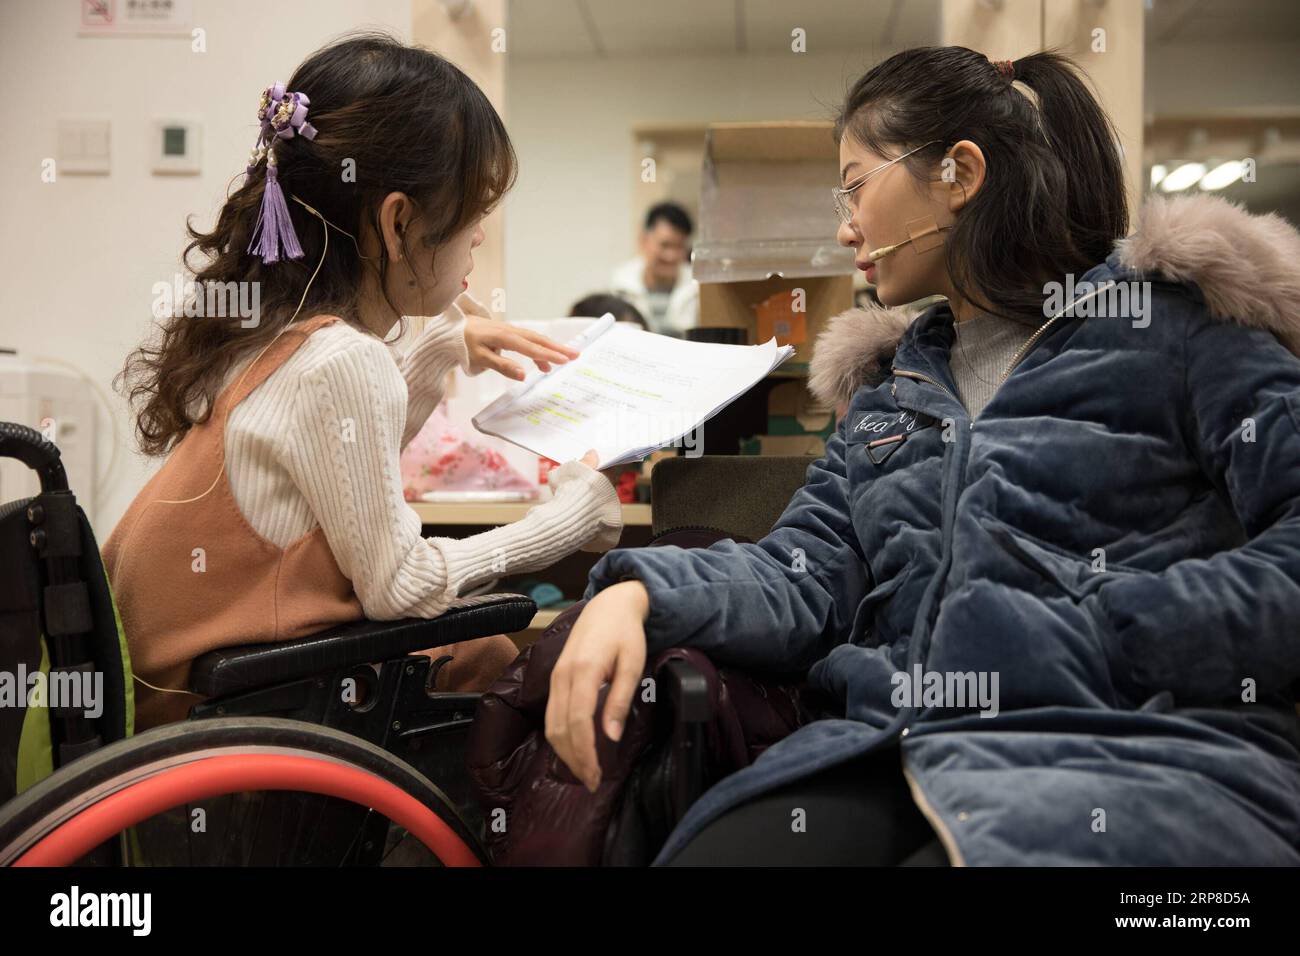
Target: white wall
[
  {"x": 570, "y": 219},
  {"x": 79, "y": 257}
]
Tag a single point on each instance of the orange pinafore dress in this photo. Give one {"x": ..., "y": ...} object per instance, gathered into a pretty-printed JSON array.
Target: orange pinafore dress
[{"x": 190, "y": 574}]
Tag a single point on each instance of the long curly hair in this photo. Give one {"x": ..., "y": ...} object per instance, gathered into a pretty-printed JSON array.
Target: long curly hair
[{"x": 389, "y": 118}]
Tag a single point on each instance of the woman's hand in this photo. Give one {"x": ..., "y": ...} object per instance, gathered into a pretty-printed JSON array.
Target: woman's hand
[
  {"x": 591, "y": 460},
  {"x": 486, "y": 339},
  {"x": 606, "y": 644}
]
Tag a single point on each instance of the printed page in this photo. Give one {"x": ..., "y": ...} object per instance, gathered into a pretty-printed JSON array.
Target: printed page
[{"x": 628, "y": 393}]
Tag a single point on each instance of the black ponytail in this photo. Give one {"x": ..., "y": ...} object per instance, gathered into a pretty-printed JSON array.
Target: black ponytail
[{"x": 1053, "y": 198}]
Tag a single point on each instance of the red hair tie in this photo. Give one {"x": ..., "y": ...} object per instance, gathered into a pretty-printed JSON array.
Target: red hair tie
[{"x": 1005, "y": 68}]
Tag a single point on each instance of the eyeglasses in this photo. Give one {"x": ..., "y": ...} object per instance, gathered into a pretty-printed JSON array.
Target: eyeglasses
[{"x": 839, "y": 194}]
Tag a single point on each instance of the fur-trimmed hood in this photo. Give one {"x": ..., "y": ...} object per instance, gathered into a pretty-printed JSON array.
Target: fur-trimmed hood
[{"x": 1246, "y": 267}]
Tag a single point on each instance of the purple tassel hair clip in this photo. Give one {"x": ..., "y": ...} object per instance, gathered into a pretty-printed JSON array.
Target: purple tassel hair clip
[{"x": 283, "y": 115}]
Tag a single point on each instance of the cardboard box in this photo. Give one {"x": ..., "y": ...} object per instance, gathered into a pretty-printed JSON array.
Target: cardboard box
[
  {"x": 738, "y": 304},
  {"x": 765, "y": 203}
]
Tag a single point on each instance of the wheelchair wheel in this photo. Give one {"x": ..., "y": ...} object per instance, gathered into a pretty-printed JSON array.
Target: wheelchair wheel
[{"x": 192, "y": 764}]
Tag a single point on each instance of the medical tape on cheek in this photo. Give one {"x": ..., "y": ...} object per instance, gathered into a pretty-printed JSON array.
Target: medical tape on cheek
[{"x": 924, "y": 234}]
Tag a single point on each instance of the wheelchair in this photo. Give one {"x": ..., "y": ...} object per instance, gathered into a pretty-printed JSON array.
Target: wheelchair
[{"x": 328, "y": 750}]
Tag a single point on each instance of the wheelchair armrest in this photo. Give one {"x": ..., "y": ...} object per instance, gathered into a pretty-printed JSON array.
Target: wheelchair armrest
[
  {"x": 688, "y": 696},
  {"x": 228, "y": 670},
  {"x": 688, "y": 691}
]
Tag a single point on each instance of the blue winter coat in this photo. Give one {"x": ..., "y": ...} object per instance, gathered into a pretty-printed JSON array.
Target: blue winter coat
[{"x": 1116, "y": 537}]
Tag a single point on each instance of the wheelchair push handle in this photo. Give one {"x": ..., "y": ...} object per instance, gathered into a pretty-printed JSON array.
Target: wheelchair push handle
[{"x": 31, "y": 448}]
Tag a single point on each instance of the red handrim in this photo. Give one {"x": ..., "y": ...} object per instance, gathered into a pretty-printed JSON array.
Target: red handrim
[{"x": 215, "y": 776}]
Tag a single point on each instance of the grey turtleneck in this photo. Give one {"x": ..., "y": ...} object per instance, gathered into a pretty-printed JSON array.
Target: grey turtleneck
[{"x": 982, "y": 350}]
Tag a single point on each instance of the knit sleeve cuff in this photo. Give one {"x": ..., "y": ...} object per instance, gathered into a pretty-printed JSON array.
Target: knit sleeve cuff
[
  {"x": 583, "y": 515},
  {"x": 575, "y": 478}
]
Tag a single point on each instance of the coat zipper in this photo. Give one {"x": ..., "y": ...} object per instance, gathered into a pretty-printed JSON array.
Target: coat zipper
[
  {"x": 918, "y": 795},
  {"x": 923, "y": 378},
  {"x": 945, "y": 835},
  {"x": 1030, "y": 342},
  {"x": 1015, "y": 359},
  {"x": 1024, "y": 349}
]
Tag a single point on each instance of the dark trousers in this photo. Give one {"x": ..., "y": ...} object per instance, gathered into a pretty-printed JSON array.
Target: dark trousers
[{"x": 858, "y": 813}]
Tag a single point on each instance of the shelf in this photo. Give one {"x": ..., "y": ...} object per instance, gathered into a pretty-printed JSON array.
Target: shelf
[{"x": 496, "y": 513}]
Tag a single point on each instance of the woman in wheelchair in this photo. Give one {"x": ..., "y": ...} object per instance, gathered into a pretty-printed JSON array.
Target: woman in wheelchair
[
  {"x": 279, "y": 510},
  {"x": 1048, "y": 569}
]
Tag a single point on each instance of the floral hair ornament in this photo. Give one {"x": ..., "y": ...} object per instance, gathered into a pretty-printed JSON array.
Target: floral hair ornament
[{"x": 283, "y": 116}]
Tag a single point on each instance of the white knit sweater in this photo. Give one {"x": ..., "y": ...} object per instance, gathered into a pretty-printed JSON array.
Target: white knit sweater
[{"x": 318, "y": 443}]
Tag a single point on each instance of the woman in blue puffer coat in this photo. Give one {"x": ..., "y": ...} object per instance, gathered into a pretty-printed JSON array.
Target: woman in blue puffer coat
[{"x": 1049, "y": 566}]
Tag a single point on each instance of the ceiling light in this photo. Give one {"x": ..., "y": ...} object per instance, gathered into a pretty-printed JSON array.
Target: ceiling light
[
  {"x": 1188, "y": 174},
  {"x": 1222, "y": 175}
]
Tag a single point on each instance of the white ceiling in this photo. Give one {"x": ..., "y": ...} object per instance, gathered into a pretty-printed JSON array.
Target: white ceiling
[
  {"x": 605, "y": 28},
  {"x": 608, "y": 28}
]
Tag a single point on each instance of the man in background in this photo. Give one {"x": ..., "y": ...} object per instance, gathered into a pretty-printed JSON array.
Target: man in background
[{"x": 658, "y": 282}]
